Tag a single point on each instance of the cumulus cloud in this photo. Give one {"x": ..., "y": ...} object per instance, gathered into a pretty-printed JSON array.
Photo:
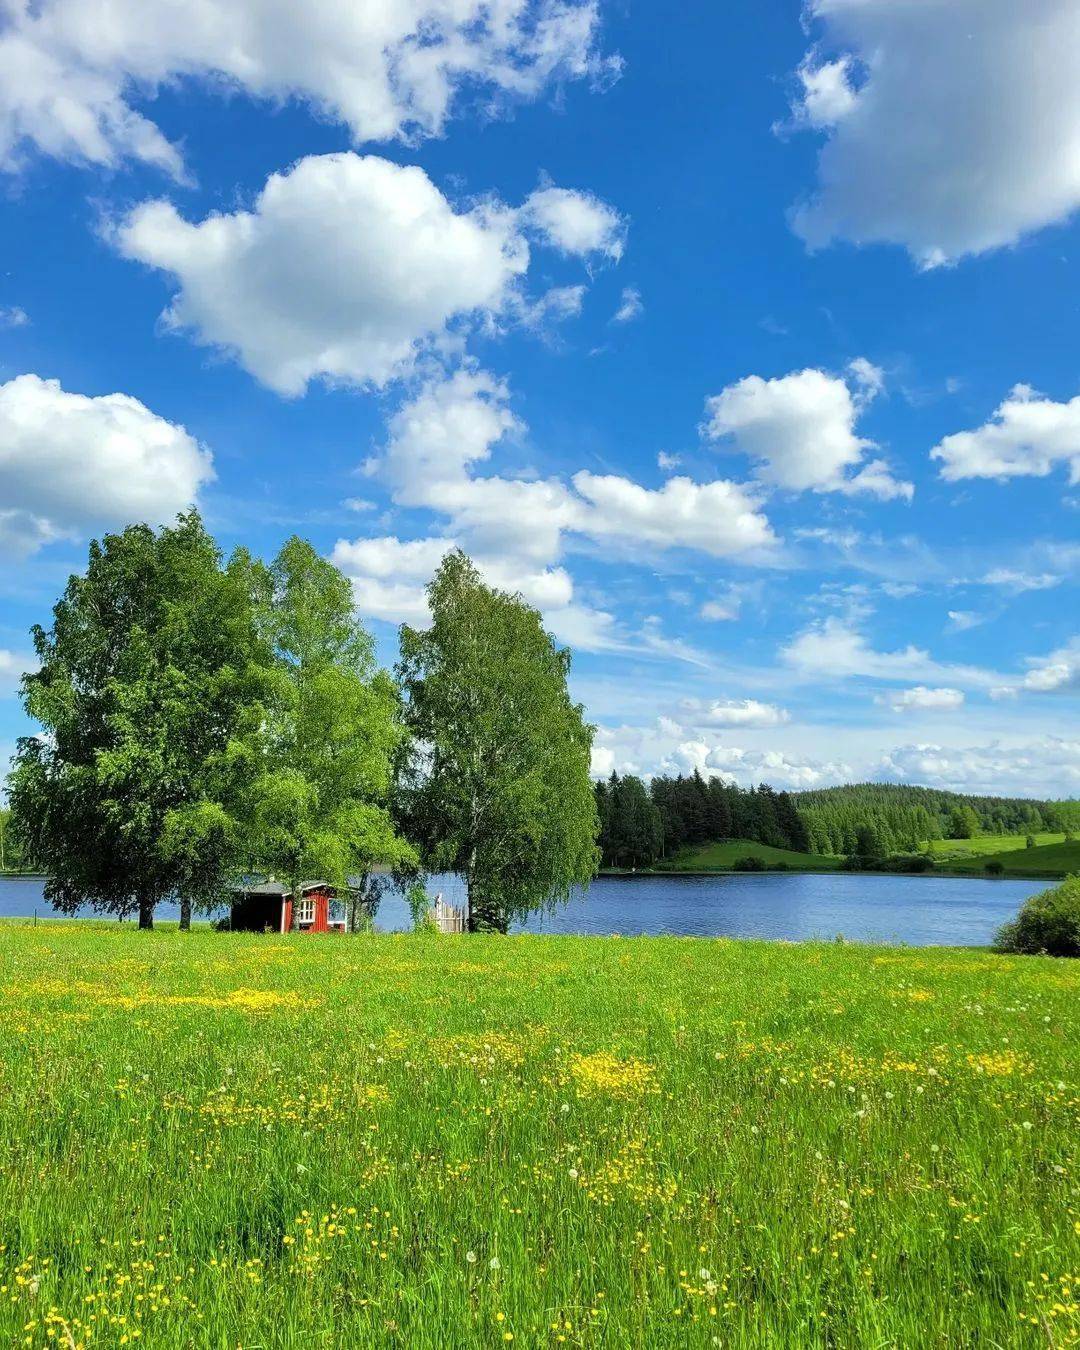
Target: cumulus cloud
[
  {"x": 1057, "y": 673},
  {"x": 69, "y": 72},
  {"x": 952, "y": 126},
  {"x": 576, "y": 223},
  {"x": 733, "y": 712},
  {"x": 442, "y": 435},
  {"x": 800, "y": 430},
  {"x": 389, "y": 576},
  {"x": 720, "y": 518},
  {"x": 1028, "y": 437},
  {"x": 1048, "y": 766},
  {"x": 437, "y": 456},
  {"x": 667, "y": 747},
  {"x": 922, "y": 699},
  {"x": 70, "y": 464},
  {"x": 346, "y": 268}
]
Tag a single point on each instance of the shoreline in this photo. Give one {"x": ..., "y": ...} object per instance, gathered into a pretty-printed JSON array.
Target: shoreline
[{"x": 952, "y": 872}]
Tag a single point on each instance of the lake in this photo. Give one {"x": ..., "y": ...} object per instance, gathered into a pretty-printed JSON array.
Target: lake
[{"x": 917, "y": 910}]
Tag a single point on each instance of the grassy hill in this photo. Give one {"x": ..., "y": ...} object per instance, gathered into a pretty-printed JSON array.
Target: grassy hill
[
  {"x": 984, "y": 844},
  {"x": 441, "y": 1142},
  {"x": 1050, "y": 859},
  {"x": 721, "y": 855}
]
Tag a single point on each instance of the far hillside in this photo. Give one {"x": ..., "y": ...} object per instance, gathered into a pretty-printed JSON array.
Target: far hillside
[
  {"x": 732, "y": 855},
  {"x": 1050, "y": 860},
  {"x": 905, "y": 818},
  {"x": 690, "y": 823}
]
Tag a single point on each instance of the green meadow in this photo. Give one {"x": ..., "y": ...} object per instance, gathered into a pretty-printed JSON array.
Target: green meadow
[
  {"x": 722, "y": 854},
  {"x": 237, "y": 1141},
  {"x": 1053, "y": 855}
]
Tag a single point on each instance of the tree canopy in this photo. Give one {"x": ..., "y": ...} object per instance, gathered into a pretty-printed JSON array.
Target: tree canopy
[
  {"x": 141, "y": 691},
  {"x": 323, "y": 755},
  {"x": 495, "y": 782}
]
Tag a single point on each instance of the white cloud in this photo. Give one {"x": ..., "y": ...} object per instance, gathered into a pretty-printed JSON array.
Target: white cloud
[
  {"x": 1057, "y": 673},
  {"x": 1028, "y": 436},
  {"x": 953, "y": 125},
  {"x": 1012, "y": 579},
  {"x": 720, "y": 611},
  {"x": 389, "y": 576},
  {"x": 922, "y": 699},
  {"x": 630, "y": 306},
  {"x": 720, "y": 518},
  {"x": 516, "y": 529},
  {"x": 960, "y": 620},
  {"x": 70, "y": 71},
  {"x": 800, "y": 430},
  {"x": 347, "y": 268},
  {"x": 666, "y": 747},
  {"x": 1045, "y": 767},
  {"x": 13, "y": 316},
  {"x": 450, "y": 427},
  {"x": 733, "y": 712},
  {"x": 834, "y": 649},
  {"x": 344, "y": 269},
  {"x": 575, "y": 223},
  {"x": 70, "y": 464},
  {"x": 667, "y": 461},
  {"x": 13, "y": 665}
]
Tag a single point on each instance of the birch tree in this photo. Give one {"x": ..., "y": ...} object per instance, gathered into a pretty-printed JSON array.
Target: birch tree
[{"x": 495, "y": 778}]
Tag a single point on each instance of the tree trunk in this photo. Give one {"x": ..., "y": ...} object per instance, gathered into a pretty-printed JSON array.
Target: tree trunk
[
  {"x": 146, "y": 912},
  {"x": 185, "y": 914},
  {"x": 485, "y": 912}
]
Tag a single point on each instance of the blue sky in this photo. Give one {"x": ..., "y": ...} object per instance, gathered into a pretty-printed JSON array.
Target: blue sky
[{"x": 745, "y": 346}]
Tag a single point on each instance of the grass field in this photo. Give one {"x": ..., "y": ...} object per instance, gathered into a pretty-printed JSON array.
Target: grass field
[
  {"x": 722, "y": 854},
  {"x": 1051, "y": 857},
  {"x": 986, "y": 844},
  {"x": 230, "y": 1141}
]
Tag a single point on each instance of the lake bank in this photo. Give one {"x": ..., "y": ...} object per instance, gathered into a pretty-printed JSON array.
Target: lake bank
[{"x": 862, "y": 907}]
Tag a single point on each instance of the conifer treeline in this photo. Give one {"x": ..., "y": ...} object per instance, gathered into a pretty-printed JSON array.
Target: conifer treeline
[
  {"x": 639, "y": 824},
  {"x": 904, "y": 817}
]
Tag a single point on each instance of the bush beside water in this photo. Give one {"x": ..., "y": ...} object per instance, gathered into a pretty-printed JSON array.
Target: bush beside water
[{"x": 1047, "y": 925}]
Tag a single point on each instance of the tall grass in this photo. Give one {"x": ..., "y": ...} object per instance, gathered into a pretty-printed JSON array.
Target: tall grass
[{"x": 223, "y": 1140}]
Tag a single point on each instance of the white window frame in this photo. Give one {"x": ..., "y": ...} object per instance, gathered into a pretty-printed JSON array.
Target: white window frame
[{"x": 305, "y": 910}]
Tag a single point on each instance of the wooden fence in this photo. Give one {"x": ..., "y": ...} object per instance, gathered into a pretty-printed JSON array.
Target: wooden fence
[{"x": 448, "y": 918}]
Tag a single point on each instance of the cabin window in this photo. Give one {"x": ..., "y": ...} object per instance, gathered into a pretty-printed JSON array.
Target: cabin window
[{"x": 305, "y": 910}]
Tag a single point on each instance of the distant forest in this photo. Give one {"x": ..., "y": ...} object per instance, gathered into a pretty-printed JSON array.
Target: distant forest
[
  {"x": 640, "y": 824},
  {"x": 904, "y": 817}
]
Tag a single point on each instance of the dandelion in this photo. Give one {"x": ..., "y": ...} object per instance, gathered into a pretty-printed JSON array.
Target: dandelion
[{"x": 471, "y": 1258}]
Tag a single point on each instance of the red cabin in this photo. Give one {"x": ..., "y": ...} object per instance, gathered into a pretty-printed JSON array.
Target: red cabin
[{"x": 271, "y": 907}]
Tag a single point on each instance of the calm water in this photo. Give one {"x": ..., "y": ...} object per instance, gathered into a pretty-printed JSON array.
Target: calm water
[{"x": 919, "y": 911}]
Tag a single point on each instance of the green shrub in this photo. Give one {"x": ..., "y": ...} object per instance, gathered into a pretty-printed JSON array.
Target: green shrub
[
  {"x": 994, "y": 868},
  {"x": 751, "y": 863},
  {"x": 1048, "y": 923}
]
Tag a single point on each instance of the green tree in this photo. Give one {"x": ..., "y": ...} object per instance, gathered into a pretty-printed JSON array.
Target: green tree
[
  {"x": 11, "y": 859},
  {"x": 868, "y": 843},
  {"x": 322, "y": 758},
  {"x": 496, "y": 783},
  {"x": 963, "y": 823},
  {"x": 146, "y": 678}
]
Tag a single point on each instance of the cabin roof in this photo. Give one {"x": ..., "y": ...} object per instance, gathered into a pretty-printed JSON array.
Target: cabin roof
[{"x": 277, "y": 888}]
